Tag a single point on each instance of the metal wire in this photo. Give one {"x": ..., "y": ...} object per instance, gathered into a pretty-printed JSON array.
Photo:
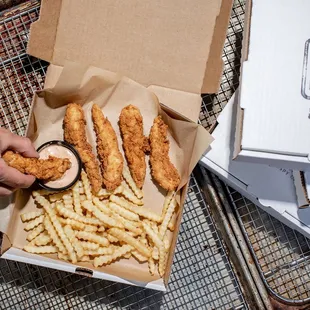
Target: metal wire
[{"x": 202, "y": 276}]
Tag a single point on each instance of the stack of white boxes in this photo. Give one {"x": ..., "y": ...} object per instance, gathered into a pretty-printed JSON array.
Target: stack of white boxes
[{"x": 261, "y": 146}]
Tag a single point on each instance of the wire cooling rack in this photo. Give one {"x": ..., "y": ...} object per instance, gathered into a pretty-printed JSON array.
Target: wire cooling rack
[{"x": 202, "y": 276}]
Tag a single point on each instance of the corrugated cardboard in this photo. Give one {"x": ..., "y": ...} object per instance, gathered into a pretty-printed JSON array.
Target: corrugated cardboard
[
  {"x": 270, "y": 188},
  {"x": 174, "y": 47},
  {"x": 302, "y": 186},
  {"x": 112, "y": 92},
  {"x": 273, "y": 120}
]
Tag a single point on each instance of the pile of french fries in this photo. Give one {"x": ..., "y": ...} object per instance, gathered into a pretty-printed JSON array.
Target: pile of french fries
[{"x": 81, "y": 227}]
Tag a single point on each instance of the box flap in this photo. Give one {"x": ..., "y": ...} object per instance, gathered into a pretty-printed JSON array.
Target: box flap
[
  {"x": 272, "y": 187},
  {"x": 162, "y": 43},
  {"x": 275, "y": 114}
]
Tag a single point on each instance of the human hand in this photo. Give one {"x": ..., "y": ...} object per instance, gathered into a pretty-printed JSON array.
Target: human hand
[{"x": 10, "y": 178}]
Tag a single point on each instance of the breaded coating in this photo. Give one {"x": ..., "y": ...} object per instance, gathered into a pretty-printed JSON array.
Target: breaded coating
[
  {"x": 75, "y": 134},
  {"x": 107, "y": 148},
  {"x": 50, "y": 169},
  {"x": 135, "y": 144},
  {"x": 163, "y": 171}
]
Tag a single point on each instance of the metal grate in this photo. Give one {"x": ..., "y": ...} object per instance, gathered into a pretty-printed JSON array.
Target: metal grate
[
  {"x": 202, "y": 276},
  {"x": 281, "y": 253}
]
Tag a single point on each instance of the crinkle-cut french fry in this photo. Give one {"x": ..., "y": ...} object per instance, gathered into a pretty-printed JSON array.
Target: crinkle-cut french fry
[
  {"x": 142, "y": 211},
  {"x": 88, "y": 214},
  {"x": 76, "y": 243},
  {"x": 100, "y": 251},
  {"x": 42, "y": 192},
  {"x": 129, "y": 225},
  {"x": 101, "y": 206},
  {"x": 107, "y": 220},
  {"x": 124, "y": 190},
  {"x": 153, "y": 236},
  {"x": 76, "y": 198},
  {"x": 58, "y": 196},
  {"x": 81, "y": 188},
  {"x": 125, "y": 237},
  {"x": 91, "y": 228},
  {"x": 34, "y": 223},
  {"x": 152, "y": 266},
  {"x": 63, "y": 256},
  {"x": 111, "y": 238},
  {"x": 127, "y": 255},
  {"x": 43, "y": 239},
  {"x": 139, "y": 256},
  {"x": 85, "y": 258},
  {"x": 31, "y": 215},
  {"x": 87, "y": 245},
  {"x": 40, "y": 249},
  {"x": 165, "y": 223},
  {"x": 86, "y": 185},
  {"x": 73, "y": 223},
  {"x": 72, "y": 215},
  {"x": 168, "y": 198},
  {"x": 103, "y": 193},
  {"x": 160, "y": 245},
  {"x": 52, "y": 214},
  {"x": 69, "y": 206},
  {"x": 166, "y": 242},
  {"x": 123, "y": 212},
  {"x": 107, "y": 259},
  {"x": 35, "y": 232},
  {"x": 88, "y": 236},
  {"x": 53, "y": 234},
  {"x": 155, "y": 252},
  {"x": 132, "y": 184},
  {"x": 101, "y": 229},
  {"x": 162, "y": 260},
  {"x": 83, "y": 197}
]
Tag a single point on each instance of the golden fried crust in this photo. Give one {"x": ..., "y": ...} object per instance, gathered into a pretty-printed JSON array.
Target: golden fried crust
[
  {"x": 107, "y": 148},
  {"x": 49, "y": 169},
  {"x": 75, "y": 134},
  {"x": 134, "y": 142},
  {"x": 163, "y": 171}
]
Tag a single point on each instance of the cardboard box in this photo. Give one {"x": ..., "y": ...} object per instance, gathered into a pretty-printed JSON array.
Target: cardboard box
[
  {"x": 302, "y": 186},
  {"x": 155, "y": 43},
  {"x": 273, "y": 116},
  {"x": 270, "y": 188}
]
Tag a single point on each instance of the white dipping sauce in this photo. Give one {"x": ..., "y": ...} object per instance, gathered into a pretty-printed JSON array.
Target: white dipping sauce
[{"x": 61, "y": 152}]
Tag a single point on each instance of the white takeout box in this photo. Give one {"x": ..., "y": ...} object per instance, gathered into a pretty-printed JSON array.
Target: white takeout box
[
  {"x": 270, "y": 188},
  {"x": 155, "y": 43},
  {"x": 273, "y": 115}
]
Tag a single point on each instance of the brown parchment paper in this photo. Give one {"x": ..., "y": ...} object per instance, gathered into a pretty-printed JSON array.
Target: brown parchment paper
[{"x": 112, "y": 92}]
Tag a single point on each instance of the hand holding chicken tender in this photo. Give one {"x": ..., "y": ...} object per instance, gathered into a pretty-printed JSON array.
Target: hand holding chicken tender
[{"x": 10, "y": 178}]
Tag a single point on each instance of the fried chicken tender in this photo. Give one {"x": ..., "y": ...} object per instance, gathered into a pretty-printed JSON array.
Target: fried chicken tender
[
  {"x": 107, "y": 148},
  {"x": 75, "y": 134},
  {"x": 163, "y": 171},
  {"x": 49, "y": 169},
  {"x": 135, "y": 144}
]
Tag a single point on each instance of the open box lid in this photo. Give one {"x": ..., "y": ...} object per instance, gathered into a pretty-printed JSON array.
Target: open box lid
[{"x": 174, "y": 44}]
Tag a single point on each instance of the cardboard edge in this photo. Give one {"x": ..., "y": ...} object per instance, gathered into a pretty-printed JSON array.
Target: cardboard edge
[
  {"x": 301, "y": 191},
  {"x": 282, "y": 161},
  {"x": 215, "y": 64},
  {"x": 43, "y": 31},
  {"x": 244, "y": 58},
  {"x": 38, "y": 260}
]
